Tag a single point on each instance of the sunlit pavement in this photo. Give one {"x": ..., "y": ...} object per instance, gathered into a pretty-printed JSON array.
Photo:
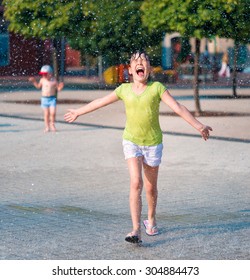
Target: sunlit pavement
[{"x": 64, "y": 195}]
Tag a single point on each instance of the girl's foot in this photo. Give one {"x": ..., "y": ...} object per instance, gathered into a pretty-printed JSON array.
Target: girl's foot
[
  {"x": 133, "y": 237},
  {"x": 150, "y": 230},
  {"x": 46, "y": 130}
]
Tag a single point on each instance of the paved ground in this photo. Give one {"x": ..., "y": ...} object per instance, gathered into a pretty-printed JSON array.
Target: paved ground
[{"x": 64, "y": 195}]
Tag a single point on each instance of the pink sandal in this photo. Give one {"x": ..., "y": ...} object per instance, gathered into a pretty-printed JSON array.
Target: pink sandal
[{"x": 151, "y": 231}]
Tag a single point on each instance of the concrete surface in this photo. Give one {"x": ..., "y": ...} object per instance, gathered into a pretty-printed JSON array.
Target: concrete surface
[{"x": 64, "y": 195}]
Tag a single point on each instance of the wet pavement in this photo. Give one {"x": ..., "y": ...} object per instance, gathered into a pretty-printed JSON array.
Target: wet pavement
[{"x": 64, "y": 195}]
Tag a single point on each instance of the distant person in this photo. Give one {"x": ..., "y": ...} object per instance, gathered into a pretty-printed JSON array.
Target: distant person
[
  {"x": 142, "y": 137},
  {"x": 225, "y": 69},
  {"x": 49, "y": 86}
]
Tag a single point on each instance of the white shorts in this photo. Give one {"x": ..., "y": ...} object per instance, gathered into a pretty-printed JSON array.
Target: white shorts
[{"x": 151, "y": 154}]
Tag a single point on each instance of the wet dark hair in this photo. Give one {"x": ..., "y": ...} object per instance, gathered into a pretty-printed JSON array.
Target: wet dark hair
[{"x": 138, "y": 53}]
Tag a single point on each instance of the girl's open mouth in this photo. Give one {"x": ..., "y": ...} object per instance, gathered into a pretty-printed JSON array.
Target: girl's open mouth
[{"x": 140, "y": 72}]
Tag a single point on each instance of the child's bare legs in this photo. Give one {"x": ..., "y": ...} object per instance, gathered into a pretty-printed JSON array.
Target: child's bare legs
[
  {"x": 52, "y": 115},
  {"x": 49, "y": 118},
  {"x": 46, "y": 116},
  {"x": 150, "y": 182},
  {"x": 136, "y": 185}
]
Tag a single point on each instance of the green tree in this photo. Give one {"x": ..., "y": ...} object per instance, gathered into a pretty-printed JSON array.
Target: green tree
[
  {"x": 116, "y": 30},
  {"x": 198, "y": 19},
  {"x": 97, "y": 27},
  {"x": 236, "y": 25},
  {"x": 47, "y": 19}
]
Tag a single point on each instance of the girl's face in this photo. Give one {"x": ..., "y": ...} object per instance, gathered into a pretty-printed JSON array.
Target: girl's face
[{"x": 139, "y": 67}]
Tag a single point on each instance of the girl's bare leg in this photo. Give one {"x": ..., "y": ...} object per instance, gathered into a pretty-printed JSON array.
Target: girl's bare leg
[
  {"x": 150, "y": 182},
  {"x": 136, "y": 185},
  {"x": 46, "y": 119},
  {"x": 52, "y": 112}
]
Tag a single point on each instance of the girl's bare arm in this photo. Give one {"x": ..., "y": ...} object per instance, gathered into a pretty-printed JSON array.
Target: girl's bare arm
[
  {"x": 182, "y": 111},
  {"x": 73, "y": 114}
]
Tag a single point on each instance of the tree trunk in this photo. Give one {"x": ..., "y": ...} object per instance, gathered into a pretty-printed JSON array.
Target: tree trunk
[
  {"x": 55, "y": 55},
  {"x": 62, "y": 59},
  {"x": 58, "y": 58},
  {"x": 87, "y": 64},
  {"x": 236, "y": 51},
  {"x": 196, "y": 77},
  {"x": 55, "y": 64},
  {"x": 100, "y": 68}
]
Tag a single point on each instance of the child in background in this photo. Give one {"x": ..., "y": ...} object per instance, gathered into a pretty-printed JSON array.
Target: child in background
[
  {"x": 49, "y": 86},
  {"x": 142, "y": 137},
  {"x": 225, "y": 69}
]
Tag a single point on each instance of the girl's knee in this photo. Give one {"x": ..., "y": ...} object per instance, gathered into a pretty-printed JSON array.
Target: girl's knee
[
  {"x": 136, "y": 184},
  {"x": 151, "y": 190}
]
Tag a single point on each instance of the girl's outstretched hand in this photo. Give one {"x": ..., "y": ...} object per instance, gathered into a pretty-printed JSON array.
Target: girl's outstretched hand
[
  {"x": 204, "y": 131},
  {"x": 71, "y": 116}
]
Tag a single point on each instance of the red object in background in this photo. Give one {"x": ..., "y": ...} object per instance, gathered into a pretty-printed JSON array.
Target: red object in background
[
  {"x": 123, "y": 75},
  {"x": 72, "y": 57}
]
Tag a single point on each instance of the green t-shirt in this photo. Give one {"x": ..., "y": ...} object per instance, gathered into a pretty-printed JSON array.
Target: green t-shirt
[{"x": 142, "y": 112}]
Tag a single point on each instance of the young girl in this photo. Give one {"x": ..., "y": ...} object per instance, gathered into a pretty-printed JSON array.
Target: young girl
[
  {"x": 49, "y": 86},
  {"x": 142, "y": 137}
]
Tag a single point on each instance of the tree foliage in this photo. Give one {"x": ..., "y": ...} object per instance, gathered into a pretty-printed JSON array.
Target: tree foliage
[
  {"x": 96, "y": 27},
  {"x": 236, "y": 25},
  {"x": 199, "y": 19},
  {"x": 116, "y": 30},
  {"x": 235, "y": 21},
  {"x": 46, "y": 18}
]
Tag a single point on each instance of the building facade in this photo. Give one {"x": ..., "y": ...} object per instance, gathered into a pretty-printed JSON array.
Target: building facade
[{"x": 213, "y": 48}]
